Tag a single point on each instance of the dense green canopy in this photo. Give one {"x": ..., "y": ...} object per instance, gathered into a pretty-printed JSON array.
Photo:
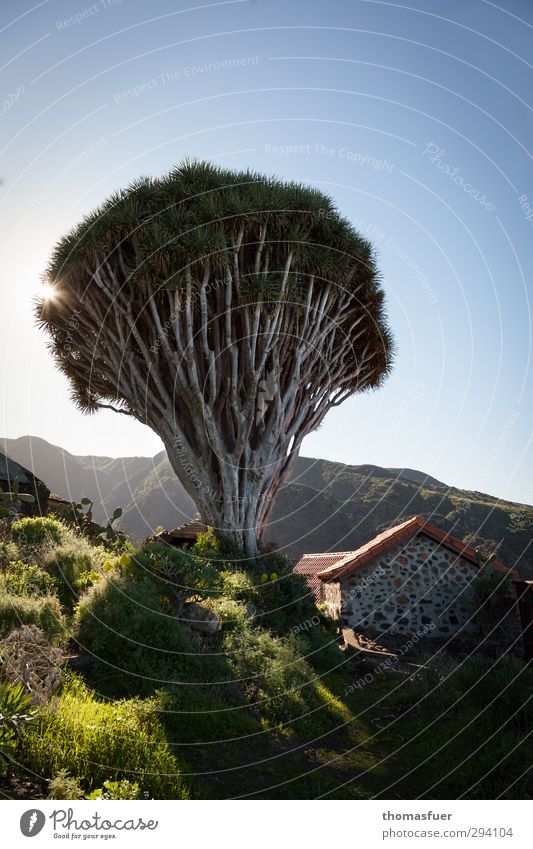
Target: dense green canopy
[
  {"x": 195, "y": 212},
  {"x": 166, "y": 225}
]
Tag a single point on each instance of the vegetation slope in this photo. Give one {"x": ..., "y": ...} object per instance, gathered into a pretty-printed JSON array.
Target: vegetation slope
[{"x": 128, "y": 698}]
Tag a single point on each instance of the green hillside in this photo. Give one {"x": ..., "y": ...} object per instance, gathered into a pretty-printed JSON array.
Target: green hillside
[
  {"x": 155, "y": 672},
  {"x": 331, "y": 506},
  {"x": 326, "y": 506}
]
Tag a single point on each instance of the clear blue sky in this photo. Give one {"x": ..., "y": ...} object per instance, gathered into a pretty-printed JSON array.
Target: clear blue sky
[{"x": 417, "y": 119}]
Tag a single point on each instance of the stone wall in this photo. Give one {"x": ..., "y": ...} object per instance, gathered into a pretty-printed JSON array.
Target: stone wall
[
  {"x": 418, "y": 584},
  {"x": 331, "y": 596}
]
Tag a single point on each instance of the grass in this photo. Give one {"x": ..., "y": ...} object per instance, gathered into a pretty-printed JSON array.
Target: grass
[{"x": 96, "y": 741}]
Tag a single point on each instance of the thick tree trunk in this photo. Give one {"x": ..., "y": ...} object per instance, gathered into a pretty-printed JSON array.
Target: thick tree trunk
[{"x": 235, "y": 505}]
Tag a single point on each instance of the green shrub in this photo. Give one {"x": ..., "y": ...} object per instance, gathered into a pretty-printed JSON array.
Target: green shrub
[
  {"x": 29, "y": 580},
  {"x": 283, "y": 595},
  {"x": 74, "y": 566},
  {"x": 280, "y": 685},
  {"x": 128, "y": 625},
  {"x": 9, "y": 552},
  {"x": 118, "y": 790},
  {"x": 239, "y": 586},
  {"x": 102, "y": 742},
  {"x": 70, "y": 560},
  {"x": 178, "y": 572},
  {"x": 491, "y": 589},
  {"x": 63, "y": 786},
  {"x": 32, "y": 531},
  {"x": 209, "y": 547},
  {"x": 231, "y": 613},
  {"x": 43, "y": 611},
  {"x": 319, "y": 645}
]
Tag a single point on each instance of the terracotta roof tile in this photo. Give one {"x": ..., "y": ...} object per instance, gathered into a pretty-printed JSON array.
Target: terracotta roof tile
[
  {"x": 315, "y": 585},
  {"x": 311, "y": 564},
  {"x": 389, "y": 539}
]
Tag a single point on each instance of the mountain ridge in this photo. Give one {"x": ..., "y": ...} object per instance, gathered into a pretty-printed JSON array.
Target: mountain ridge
[{"x": 325, "y": 506}]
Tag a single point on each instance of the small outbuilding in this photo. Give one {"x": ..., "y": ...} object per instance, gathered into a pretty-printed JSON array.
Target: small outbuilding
[
  {"x": 184, "y": 535},
  {"x": 412, "y": 576}
]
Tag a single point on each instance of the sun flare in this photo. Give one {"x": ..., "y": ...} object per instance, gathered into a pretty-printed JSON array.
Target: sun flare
[{"x": 47, "y": 292}]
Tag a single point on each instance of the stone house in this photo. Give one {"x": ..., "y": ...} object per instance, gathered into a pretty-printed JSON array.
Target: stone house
[{"x": 410, "y": 577}]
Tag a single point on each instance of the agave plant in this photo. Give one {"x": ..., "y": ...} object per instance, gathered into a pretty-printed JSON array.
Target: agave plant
[
  {"x": 228, "y": 311},
  {"x": 15, "y": 711}
]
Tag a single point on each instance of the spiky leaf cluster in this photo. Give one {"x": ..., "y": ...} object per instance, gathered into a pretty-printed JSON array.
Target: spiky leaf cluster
[{"x": 196, "y": 211}]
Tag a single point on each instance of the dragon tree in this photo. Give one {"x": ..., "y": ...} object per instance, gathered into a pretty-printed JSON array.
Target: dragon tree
[{"x": 229, "y": 312}]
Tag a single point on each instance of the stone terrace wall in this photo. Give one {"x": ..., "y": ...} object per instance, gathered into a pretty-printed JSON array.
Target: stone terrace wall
[{"x": 418, "y": 584}]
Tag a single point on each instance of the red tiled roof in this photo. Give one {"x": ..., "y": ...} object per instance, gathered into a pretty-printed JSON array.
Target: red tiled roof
[
  {"x": 311, "y": 564},
  {"x": 395, "y": 536}
]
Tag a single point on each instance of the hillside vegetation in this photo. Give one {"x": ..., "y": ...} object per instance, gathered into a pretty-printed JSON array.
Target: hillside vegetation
[
  {"x": 163, "y": 673},
  {"x": 326, "y": 506}
]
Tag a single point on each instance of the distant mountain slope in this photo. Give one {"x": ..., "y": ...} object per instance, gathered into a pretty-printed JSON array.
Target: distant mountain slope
[
  {"x": 325, "y": 506},
  {"x": 355, "y": 503}
]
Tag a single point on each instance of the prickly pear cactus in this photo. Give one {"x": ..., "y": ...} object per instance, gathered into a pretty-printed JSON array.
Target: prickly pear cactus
[{"x": 11, "y": 502}]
